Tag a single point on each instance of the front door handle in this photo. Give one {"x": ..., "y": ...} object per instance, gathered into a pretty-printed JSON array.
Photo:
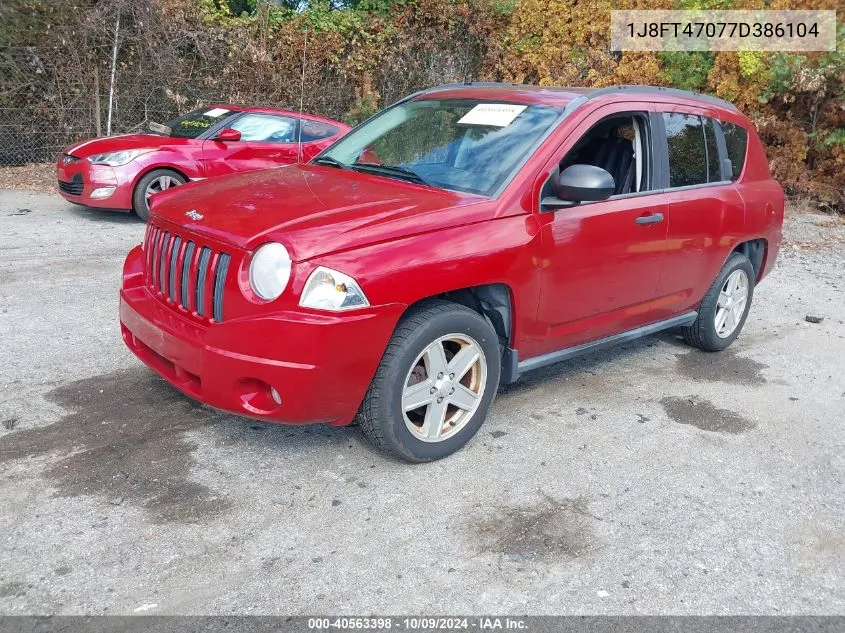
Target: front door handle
[{"x": 654, "y": 218}]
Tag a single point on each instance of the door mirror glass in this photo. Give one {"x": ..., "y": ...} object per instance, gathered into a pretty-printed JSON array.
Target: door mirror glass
[
  {"x": 585, "y": 183},
  {"x": 228, "y": 135}
]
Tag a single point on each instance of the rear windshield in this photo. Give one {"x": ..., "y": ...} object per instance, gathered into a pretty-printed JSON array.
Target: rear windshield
[
  {"x": 194, "y": 123},
  {"x": 736, "y": 138}
]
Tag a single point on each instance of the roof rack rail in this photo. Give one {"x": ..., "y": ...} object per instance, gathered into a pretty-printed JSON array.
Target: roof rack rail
[
  {"x": 675, "y": 92},
  {"x": 478, "y": 84},
  {"x": 590, "y": 94}
]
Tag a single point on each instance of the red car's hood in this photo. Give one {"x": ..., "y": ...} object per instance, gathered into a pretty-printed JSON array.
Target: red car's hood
[
  {"x": 314, "y": 210},
  {"x": 121, "y": 142}
]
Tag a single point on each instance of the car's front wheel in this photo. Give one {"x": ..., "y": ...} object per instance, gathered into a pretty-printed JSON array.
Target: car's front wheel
[
  {"x": 435, "y": 383},
  {"x": 723, "y": 310},
  {"x": 153, "y": 182}
]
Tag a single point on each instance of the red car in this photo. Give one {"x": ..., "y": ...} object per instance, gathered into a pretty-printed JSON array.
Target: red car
[
  {"x": 123, "y": 172},
  {"x": 460, "y": 238}
]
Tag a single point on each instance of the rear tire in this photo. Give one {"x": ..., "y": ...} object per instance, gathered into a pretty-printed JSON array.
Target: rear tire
[
  {"x": 156, "y": 180},
  {"x": 725, "y": 307},
  {"x": 444, "y": 357}
]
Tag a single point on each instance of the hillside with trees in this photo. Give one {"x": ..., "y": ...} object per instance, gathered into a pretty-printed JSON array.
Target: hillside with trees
[{"x": 76, "y": 68}]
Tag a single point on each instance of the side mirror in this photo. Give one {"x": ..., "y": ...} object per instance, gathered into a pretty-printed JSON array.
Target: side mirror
[
  {"x": 580, "y": 183},
  {"x": 228, "y": 135},
  {"x": 368, "y": 156},
  {"x": 585, "y": 183}
]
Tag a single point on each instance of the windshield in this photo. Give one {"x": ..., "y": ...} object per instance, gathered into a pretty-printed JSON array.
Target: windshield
[
  {"x": 194, "y": 123},
  {"x": 462, "y": 144}
]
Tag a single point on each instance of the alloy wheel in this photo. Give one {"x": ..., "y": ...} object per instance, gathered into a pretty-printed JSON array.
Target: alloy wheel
[
  {"x": 159, "y": 184},
  {"x": 731, "y": 304},
  {"x": 444, "y": 387}
]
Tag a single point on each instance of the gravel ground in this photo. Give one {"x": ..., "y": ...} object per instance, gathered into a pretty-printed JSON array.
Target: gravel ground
[{"x": 645, "y": 479}]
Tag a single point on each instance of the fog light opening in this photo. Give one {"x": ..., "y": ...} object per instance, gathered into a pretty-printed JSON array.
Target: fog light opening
[
  {"x": 258, "y": 397},
  {"x": 102, "y": 192}
]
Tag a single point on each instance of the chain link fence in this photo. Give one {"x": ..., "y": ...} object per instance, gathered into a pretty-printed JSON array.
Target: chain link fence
[
  {"x": 30, "y": 130},
  {"x": 41, "y": 115},
  {"x": 130, "y": 63},
  {"x": 111, "y": 66}
]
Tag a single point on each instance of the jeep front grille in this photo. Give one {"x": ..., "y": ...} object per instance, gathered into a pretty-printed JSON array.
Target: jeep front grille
[{"x": 186, "y": 273}]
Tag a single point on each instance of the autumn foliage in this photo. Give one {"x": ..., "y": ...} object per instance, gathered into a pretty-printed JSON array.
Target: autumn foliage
[{"x": 361, "y": 55}]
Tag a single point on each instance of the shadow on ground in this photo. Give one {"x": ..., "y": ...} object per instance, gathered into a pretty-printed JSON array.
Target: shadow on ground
[
  {"x": 107, "y": 216},
  {"x": 125, "y": 439},
  {"x": 126, "y": 436}
]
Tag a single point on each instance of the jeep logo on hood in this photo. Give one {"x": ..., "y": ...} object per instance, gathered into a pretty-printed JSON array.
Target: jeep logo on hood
[{"x": 194, "y": 215}]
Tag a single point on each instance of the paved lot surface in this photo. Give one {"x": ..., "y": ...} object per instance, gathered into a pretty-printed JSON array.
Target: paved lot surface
[{"x": 646, "y": 479}]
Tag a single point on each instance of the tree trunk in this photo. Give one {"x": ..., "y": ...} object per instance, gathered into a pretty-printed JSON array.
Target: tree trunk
[
  {"x": 97, "y": 122},
  {"x": 113, "y": 69}
]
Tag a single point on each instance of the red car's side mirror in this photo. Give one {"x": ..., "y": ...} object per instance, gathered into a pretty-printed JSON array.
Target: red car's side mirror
[
  {"x": 368, "y": 156},
  {"x": 228, "y": 135}
]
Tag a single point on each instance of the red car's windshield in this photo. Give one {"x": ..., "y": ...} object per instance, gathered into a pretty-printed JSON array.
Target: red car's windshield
[
  {"x": 461, "y": 144},
  {"x": 194, "y": 123}
]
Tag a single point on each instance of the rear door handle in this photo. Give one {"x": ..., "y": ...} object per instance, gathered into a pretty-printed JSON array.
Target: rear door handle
[{"x": 654, "y": 218}]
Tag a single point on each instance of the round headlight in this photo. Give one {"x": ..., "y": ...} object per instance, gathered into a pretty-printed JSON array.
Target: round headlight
[{"x": 269, "y": 271}]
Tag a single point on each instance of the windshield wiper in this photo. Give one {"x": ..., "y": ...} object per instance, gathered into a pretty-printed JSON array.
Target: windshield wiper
[
  {"x": 393, "y": 171},
  {"x": 331, "y": 162}
]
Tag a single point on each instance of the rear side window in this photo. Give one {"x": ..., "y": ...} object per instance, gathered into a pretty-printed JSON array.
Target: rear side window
[
  {"x": 736, "y": 139},
  {"x": 713, "y": 172},
  {"x": 687, "y": 153},
  {"x": 316, "y": 130}
]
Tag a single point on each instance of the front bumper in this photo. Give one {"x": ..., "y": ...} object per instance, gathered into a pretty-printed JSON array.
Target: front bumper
[
  {"x": 83, "y": 177},
  {"x": 319, "y": 364}
]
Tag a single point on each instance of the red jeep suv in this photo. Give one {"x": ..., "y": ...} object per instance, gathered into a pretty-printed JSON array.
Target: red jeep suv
[{"x": 461, "y": 237}]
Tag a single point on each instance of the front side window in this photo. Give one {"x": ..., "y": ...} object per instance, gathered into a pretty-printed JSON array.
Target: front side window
[
  {"x": 266, "y": 128},
  {"x": 460, "y": 144},
  {"x": 736, "y": 139},
  {"x": 194, "y": 123},
  {"x": 620, "y": 144},
  {"x": 687, "y": 153}
]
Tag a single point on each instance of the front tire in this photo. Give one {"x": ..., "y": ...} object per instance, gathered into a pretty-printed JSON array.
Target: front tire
[
  {"x": 153, "y": 182},
  {"x": 725, "y": 307},
  {"x": 435, "y": 383}
]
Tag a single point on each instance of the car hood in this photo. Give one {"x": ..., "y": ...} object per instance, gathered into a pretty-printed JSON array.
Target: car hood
[
  {"x": 118, "y": 143},
  {"x": 314, "y": 210}
]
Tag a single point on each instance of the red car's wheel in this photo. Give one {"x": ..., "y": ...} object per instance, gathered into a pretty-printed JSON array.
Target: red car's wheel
[{"x": 153, "y": 182}]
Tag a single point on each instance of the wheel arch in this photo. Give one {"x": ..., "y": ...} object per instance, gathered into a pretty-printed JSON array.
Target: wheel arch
[
  {"x": 145, "y": 172},
  {"x": 756, "y": 251},
  {"x": 494, "y": 302},
  {"x": 151, "y": 168}
]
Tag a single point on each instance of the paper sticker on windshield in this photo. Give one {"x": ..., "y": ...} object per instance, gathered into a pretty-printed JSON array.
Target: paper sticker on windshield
[
  {"x": 498, "y": 114},
  {"x": 216, "y": 112}
]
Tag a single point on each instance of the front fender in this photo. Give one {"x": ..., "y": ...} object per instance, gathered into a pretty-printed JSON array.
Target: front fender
[{"x": 503, "y": 251}]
